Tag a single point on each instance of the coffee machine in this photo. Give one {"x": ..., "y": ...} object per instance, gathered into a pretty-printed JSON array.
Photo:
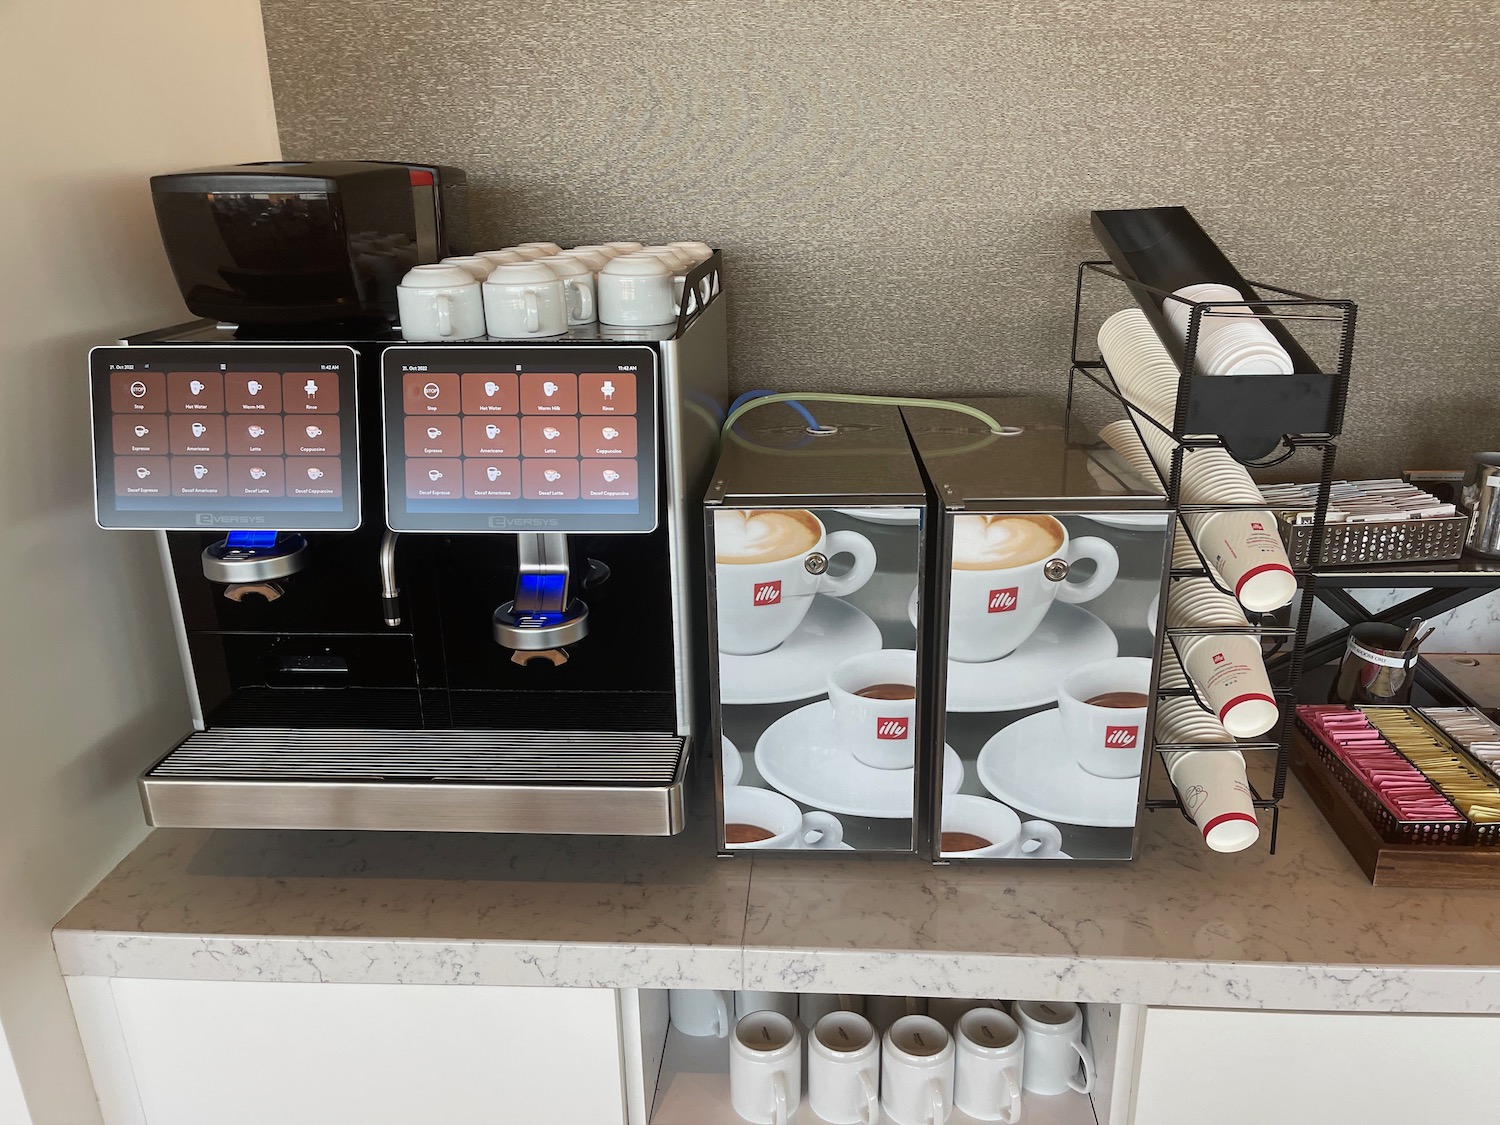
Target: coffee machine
[{"x": 439, "y": 587}]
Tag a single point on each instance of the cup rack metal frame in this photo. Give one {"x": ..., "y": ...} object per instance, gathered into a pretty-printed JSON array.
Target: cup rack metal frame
[{"x": 1260, "y": 421}]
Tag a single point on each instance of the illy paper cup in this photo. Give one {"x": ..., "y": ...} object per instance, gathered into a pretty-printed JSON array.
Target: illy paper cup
[
  {"x": 1216, "y": 795},
  {"x": 1230, "y": 675}
]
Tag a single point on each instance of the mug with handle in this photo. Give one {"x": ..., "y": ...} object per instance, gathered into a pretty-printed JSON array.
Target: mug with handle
[
  {"x": 917, "y": 1064},
  {"x": 1055, "y": 1049},
  {"x": 701, "y": 1011},
  {"x": 791, "y": 829},
  {"x": 637, "y": 290},
  {"x": 987, "y": 1076},
  {"x": 578, "y": 287},
  {"x": 524, "y": 299},
  {"x": 843, "y": 1069},
  {"x": 765, "y": 1068},
  {"x": 770, "y": 563},
  {"x": 440, "y": 302},
  {"x": 1008, "y": 836}
]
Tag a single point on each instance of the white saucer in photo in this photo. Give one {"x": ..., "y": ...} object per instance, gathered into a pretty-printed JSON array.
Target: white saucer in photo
[
  {"x": 884, "y": 515},
  {"x": 734, "y": 765},
  {"x": 1028, "y": 766},
  {"x": 1130, "y": 521},
  {"x": 798, "y": 667},
  {"x": 799, "y": 756},
  {"x": 1068, "y": 636}
]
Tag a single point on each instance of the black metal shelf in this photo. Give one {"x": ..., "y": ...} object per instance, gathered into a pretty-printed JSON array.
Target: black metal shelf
[{"x": 1260, "y": 421}]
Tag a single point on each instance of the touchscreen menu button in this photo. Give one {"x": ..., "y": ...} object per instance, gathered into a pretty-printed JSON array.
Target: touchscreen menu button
[
  {"x": 425, "y": 393},
  {"x": 492, "y": 479},
  {"x": 196, "y": 434},
  {"x": 607, "y": 437},
  {"x": 608, "y": 480},
  {"x": 549, "y": 392},
  {"x": 549, "y": 480},
  {"x": 434, "y": 479},
  {"x": 137, "y": 392},
  {"x": 256, "y": 476},
  {"x": 143, "y": 476},
  {"x": 250, "y": 435},
  {"x": 140, "y": 434},
  {"x": 490, "y": 437},
  {"x": 195, "y": 392},
  {"x": 310, "y": 392},
  {"x": 433, "y": 437},
  {"x": 202, "y": 476},
  {"x": 257, "y": 392},
  {"x": 490, "y": 393},
  {"x": 313, "y": 476},
  {"x": 549, "y": 437},
  {"x": 313, "y": 436},
  {"x": 607, "y": 394}
]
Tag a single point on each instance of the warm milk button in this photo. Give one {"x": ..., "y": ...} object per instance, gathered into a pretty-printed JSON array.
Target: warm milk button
[{"x": 256, "y": 392}]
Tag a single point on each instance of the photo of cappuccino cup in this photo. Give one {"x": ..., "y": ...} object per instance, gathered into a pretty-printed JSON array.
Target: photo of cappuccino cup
[
  {"x": 1007, "y": 570},
  {"x": 874, "y": 699},
  {"x": 1103, "y": 711},
  {"x": 769, "y": 564},
  {"x": 758, "y": 818}
]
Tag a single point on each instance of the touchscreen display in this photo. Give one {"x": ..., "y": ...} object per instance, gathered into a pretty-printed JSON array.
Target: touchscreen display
[
  {"x": 239, "y": 435},
  {"x": 509, "y": 438}
]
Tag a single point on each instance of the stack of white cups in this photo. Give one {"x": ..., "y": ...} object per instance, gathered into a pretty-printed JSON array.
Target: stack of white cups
[
  {"x": 1242, "y": 545},
  {"x": 538, "y": 289},
  {"x": 1211, "y": 783},
  {"x": 1232, "y": 340}
]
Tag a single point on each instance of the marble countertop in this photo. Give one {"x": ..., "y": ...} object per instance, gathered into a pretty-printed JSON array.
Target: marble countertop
[{"x": 1182, "y": 926}]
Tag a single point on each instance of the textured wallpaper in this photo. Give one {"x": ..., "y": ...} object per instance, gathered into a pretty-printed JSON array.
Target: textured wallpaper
[{"x": 901, "y": 188}]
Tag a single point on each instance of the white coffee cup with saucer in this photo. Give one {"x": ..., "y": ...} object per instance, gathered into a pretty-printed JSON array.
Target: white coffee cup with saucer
[
  {"x": 1004, "y": 834},
  {"x": 777, "y": 822},
  {"x": 874, "y": 698}
]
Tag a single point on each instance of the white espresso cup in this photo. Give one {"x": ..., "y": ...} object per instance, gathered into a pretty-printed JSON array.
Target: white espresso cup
[
  {"x": 987, "y": 1071},
  {"x": 874, "y": 698},
  {"x": 1102, "y": 707},
  {"x": 440, "y": 302},
  {"x": 701, "y": 1011},
  {"x": 1007, "y": 570},
  {"x": 749, "y": 1000},
  {"x": 525, "y": 299},
  {"x": 637, "y": 290},
  {"x": 759, "y": 818},
  {"x": 843, "y": 1069},
  {"x": 1054, "y": 1048},
  {"x": 916, "y": 1072},
  {"x": 770, "y": 564},
  {"x": 765, "y": 1068},
  {"x": 578, "y": 287},
  {"x": 1004, "y": 834}
]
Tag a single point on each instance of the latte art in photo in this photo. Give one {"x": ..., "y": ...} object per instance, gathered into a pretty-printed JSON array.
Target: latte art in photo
[
  {"x": 996, "y": 542},
  {"x": 762, "y": 535}
]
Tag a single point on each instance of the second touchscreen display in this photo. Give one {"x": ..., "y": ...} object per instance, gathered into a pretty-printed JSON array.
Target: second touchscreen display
[{"x": 492, "y": 439}]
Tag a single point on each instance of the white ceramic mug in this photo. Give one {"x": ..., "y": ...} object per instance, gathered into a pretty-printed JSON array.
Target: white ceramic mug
[
  {"x": 547, "y": 248},
  {"x": 502, "y": 258},
  {"x": 622, "y": 248},
  {"x": 770, "y": 564},
  {"x": 637, "y": 290},
  {"x": 987, "y": 1070},
  {"x": 843, "y": 1069},
  {"x": 813, "y": 1006},
  {"x": 529, "y": 252},
  {"x": 789, "y": 827},
  {"x": 440, "y": 302},
  {"x": 701, "y": 1011},
  {"x": 748, "y": 1000},
  {"x": 765, "y": 1068},
  {"x": 480, "y": 268},
  {"x": 596, "y": 260},
  {"x": 916, "y": 1072},
  {"x": 1007, "y": 571},
  {"x": 525, "y": 299},
  {"x": 886, "y": 1010},
  {"x": 880, "y": 732},
  {"x": 699, "y": 252},
  {"x": 578, "y": 287},
  {"x": 1054, "y": 1047},
  {"x": 1108, "y": 738},
  {"x": 1009, "y": 837}
]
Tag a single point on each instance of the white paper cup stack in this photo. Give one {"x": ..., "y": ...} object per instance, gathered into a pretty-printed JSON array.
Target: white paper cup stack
[
  {"x": 1141, "y": 365},
  {"x": 1238, "y": 344},
  {"x": 1196, "y": 603},
  {"x": 1216, "y": 794},
  {"x": 1230, "y": 676},
  {"x": 1179, "y": 720}
]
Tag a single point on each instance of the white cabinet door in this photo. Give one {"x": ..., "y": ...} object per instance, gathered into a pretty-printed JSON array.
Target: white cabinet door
[
  {"x": 235, "y": 1053},
  {"x": 1314, "y": 1068}
]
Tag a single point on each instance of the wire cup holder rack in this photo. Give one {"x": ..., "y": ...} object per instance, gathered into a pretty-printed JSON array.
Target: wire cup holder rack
[{"x": 1261, "y": 421}]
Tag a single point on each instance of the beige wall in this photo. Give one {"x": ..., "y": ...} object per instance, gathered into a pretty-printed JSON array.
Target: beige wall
[
  {"x": 98, "y": 95},
  {"x": 902, "y": 186}
]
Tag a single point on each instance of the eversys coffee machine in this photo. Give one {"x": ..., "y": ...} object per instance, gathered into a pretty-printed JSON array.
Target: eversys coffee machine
[{"x": 437, "y": 587}]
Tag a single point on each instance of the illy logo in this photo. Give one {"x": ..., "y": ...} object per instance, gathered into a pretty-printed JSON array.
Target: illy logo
[
  {"x": 1003, "y": 601},
  {"x": 1218, "y": 658},
  {"x": 1257, "y": 527},
  {"x": 1121, "y": 738},
  {"x": 768, "y": 593},
  {"x": 890, "y": 728}
]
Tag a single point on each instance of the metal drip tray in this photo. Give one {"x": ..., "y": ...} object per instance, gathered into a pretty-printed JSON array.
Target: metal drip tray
[{"x": 600, "y": 783}]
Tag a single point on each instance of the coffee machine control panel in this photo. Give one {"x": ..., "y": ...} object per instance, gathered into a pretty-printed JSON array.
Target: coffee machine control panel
[
  {"x": 521, "y": 439},
  {"x": 224, "y": 437}
]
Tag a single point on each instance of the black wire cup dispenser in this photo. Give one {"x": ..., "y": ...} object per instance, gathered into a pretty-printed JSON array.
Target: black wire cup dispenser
[{"x": 1260, "y": 420}]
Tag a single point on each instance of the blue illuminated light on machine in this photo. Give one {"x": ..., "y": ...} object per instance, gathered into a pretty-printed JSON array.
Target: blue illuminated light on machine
[
  {"x": 252, "y": 540},
  {"x": 537, "y": 590}
]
